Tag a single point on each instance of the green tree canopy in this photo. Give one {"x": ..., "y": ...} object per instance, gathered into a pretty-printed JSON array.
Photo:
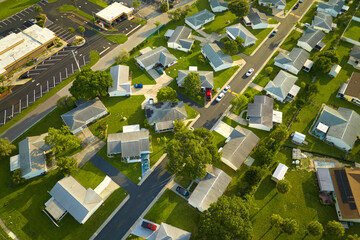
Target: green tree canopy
[
  {"x": 332, "y": 55},
  {"x": 231, "y": 47},
  {"x": 66, "y": 165},
  {"x": 289, "y": 226},
  {"x": 136, "y": 5},
  {"x": 166, "y": 94},
  {"x": 226, "y": 219},
  {"x": 283, "y": 186},
  {"x": 269, "y": 70},
  {"x": 280, "y": 133},
  {"x": 276, "y": 220},
  {"x": 122, "y": 57},
  {"x": 263, "y": 155},
  {"x": 61, "y": 140},
  {"x": 71, "y": 30},
  {"x": 253, "y": 175},
  {"x": 6, "y": 147},
  {"x": 315, "y": 228},
  {"x": 81, "y": 30},
  {"x": 192, "y": 83},
  {"x": 190, "y": 151},
  {"x": 66, "y": 102},
  {"x": 38, "y": 9},
  {"x": 240, "y": 8},
  {"x": 334, "y": 229},
  {"x": 89, "y": 84},
  {"x": 164, "y": 6},
  {"x": 353, "y": 237},
  {"x": 16, "y": 177}
]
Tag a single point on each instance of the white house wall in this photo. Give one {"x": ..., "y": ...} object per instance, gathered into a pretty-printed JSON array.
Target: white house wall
[
  {"x": 323, "y": 29},
  {"x": 34, "y": 174},
  {"x": 304, "y": 46},
  {"x": 259, "y": 126},
  {"x": 91, "y": 213},
  {"x": 227, "y": 162},
  {"x": 275, "y": 96},
  {"x": 338, "y": 143},
  {"x": 260, "y": 26},
  {"x": 118, "y": 93}
]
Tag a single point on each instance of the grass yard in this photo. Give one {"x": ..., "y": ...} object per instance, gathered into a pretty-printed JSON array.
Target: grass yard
[
  {"x": 89, "y": 176},
  {"x": 99, "y": 3},
  {"x": 115, "y": 38},
  {"x": 174, "y": 210},
  {"x": 191, "y": 113},
  {"x": 222, "y": 20},
  {"x": 291, "y": 41},
  {"x": 290, "y": 4},
  {"x": 139, "y": 21},
  {"x": 263, "y": 78},
  {"x": 71, "y": 8},
  {"x": 10, "y": 7},
  {"x": 219, "y": 139},
  {"x": 353, "y": 31},
  {"x": 138, "y": 75},
  {"x": 309, "y": 16}
]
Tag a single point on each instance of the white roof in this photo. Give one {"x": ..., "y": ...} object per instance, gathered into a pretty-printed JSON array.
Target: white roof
[
  {"x": 322, "y": 127},
  {"x": 280, "y": 171},
  {"x": 324, "y": 179},
  {"x": 193, "y": 68},
  {"x": 29, "y": 40},
  {"x": 298, "y": 137},
  {"x": 294, "y": 90},
  {"x": 113, "y": 11},
  {"x": 120, "y": 76},
  {"x": 54, "y": 209},
  {"x": 14, "y": 163},
  {"x": 145, "y": 50},
  {"x": 277, "y": 116},
  {"x": 308, "y": 64},
  {"x": 169, "y": 33},
  {"x": 131, "y": 128}
]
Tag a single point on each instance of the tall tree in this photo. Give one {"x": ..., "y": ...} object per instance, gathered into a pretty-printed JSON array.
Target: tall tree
[
  {"x": 289, "y": 226},
  {"x": 66, "y": 102},
  {"x": 269, "y": 70},
  {"x": 322, "y": 64},
  {"x": 276, "y": 220},
  {"x": 240, "y": 8},
  {"x": 283, "y": 186},
  {"x": 280, "y": 133},
  {"x": 89, "y": 84},
  {"x": 136, "y": 5},
  {"x": 253, "y": 175},
  {"x": 38, "y": 9},
  {"x": 315, "y": 228},
  {"x": 81, "y": 30},
  {"x": 334, "y": 229},
  {"x": 122, "y": 57},
  {"x": 164, "y": 6},
  {"x": 66, "y": 165},
  {"x": 231, "y": 47},
  {"x": 226, "y": 219},
  {"x": 353, "y": 237},
  {"x": 158, "y": 24},
  {"x": 6, "y": 147},
  {"x": 190, "y": 151},
  {"x": 71, "y": 30},
  {"x": 166, "y": 94},
  {"x": 192, "y": 84},
  {"x": 16, "y": 177},
  {"x": 61, "y": 140}
]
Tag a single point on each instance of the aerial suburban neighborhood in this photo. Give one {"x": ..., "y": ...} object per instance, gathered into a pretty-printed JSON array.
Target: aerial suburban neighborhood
[{"x": 180, "y": 119}]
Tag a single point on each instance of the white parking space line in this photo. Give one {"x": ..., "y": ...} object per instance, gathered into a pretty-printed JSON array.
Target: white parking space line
[
  {"x": 8, "y": 21},
  {"x": 21, "y": 13},
  {"x": 48, "y": 64},
  {"x": 31, "y": 74},
  {"x": 4, "y": 23}
]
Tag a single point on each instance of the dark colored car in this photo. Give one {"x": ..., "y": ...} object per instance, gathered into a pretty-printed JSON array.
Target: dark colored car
[
  {"x": 148, "y": 225},
  {"x": 159, "y": 70},
  {"x": 296, "y": 6},
  {"x": 208, "y": 95},
  {"x": 273, "y": 33},
  {"x": 183, "y": 191},
  {"x": 139, "y": 85}
]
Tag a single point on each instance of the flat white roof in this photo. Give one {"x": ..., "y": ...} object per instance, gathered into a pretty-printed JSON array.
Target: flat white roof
[
  {"x": 120, "y": 76},
  {"x": 33, "y": 37},
  {"x": 277, "y": 116},
  {"x": 322, "y": 127},
  {"x": 294, "y": 90},
  {"x": 9, "y": 41},
  {"x": 280, "y": 171},
  {"x": 14, "y": 163},
  {"x": 193, "y": 68},
  {"x": 131, "y": 128},
  {"x": 299, "y": 137},
  {"x": 113, "y": 11}
]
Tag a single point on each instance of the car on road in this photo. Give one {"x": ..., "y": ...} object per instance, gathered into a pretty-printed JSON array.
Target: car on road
[
  {"x": 139, "y": 85},
  {"x": 220, "y": 96},
  {"x": 148, "y": 225},
  {"x": 208, "y": 95},
  {"x": 226, "y": 89},
  {"x": 183, "y": 191},
  {"x": 273, "y": 33},
  {"x": 296, "y": 6},
  {"x": 251, "y": 70}
]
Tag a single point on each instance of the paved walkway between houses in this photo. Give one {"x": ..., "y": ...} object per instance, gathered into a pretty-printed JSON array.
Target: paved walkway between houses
[
  {"x": 256, "y": 87},
  {"x": 237, "y": 118}
]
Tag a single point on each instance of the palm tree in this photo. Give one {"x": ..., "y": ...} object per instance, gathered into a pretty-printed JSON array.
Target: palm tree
[
  {"x": 157, "y": 24},
  {"x": 38, "y": 9},
  {"x": 81, "y": 30},
  {"x": 136, "y": 5}
]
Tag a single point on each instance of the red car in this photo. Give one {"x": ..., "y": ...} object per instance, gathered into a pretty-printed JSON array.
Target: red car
[
  {"x": 148, "y": 225},
  {"x": 208, "y": 95}
]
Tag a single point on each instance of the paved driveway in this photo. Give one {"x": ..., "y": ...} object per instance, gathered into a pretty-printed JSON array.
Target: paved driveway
[
  {"x": 223, "y": 129},
  {"x": 143, "y": 232}
]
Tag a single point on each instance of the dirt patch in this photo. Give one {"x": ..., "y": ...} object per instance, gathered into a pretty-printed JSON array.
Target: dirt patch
[{"x": 337, "y": 163}]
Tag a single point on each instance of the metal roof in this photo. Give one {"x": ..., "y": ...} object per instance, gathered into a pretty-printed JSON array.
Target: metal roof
[
  {"x": 200, "y": 18},
  {"x": 206, "y": 78},
  {"x": 312, "y": 37},
  {"x": 157, "y": 55},
  {"x": 215, "y": 55},
  {"x": 238, "y": 30},
  {"x": 281, "y": 85}
]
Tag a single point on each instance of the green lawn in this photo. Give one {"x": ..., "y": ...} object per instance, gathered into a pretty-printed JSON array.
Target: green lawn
[
  {"x": 291, "y": 41},
  {"x": 309, "y": 16},
  {"x": 219, "y": 139},
  {"x": 71, "y": 8},
  {"x": 138, "y": 75},
  {"x": 290, "y": 4},
  {"x": 10, "y": 7},
  {"x": 99, "y": 3},
  {"x": 89, "y": 176},
  {"x": 115, "y": 38},
  {"x": 263, "y": 78},
  {"x": 353, "y": 31},
  {"x": 191, "y": 113},
  {"x": 174, "y": 210},
  {"x": 222, "y": 20}
]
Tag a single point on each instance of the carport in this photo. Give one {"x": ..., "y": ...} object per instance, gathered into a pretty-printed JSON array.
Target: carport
[{"x": 113, "y": 14}]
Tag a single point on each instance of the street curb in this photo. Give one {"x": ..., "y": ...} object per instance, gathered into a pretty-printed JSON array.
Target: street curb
[
  {"x": 109, "y": 218},
  {"x": 152, "y": 169},
  {"x": 147, "y": 209},
  {"x": 222, "y": 116}
]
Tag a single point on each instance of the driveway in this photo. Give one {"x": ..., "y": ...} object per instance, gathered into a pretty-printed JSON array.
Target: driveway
[
  {"x": 144, "y": 232},
  {"x": 223, "y": 129}
]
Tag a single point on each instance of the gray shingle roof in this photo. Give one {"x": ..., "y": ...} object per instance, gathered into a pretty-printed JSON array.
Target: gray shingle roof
[
  {"x": 180, "y": 33},
  {"x": 129, "y": 144},
  {"x": 353, "y": 86},
  {"x": 297, "y": 58},
  {"x": 206, "y": 78},
  {"x": 323, "y": 20},
  {"x": 217, "y": 3},
  {"x": 157, "y": 55},
  {"x": 335, "y": 5},
  {"x": 31, "y": 152},
  {"x": 73, "y": 197},
  {"x": 312, "y": 37},
  {"x": 120, "y": 76},
  {"x": 200, "y": 18},
  {"x": 168, "y": 232},
  {"x": 275, "y": 2},
  {"x": 261, "y": 111},
  {"x": 355, "y": 52},
  {"x": 238, "y": 30},
  {"x": 343, "y": 124},
  {"x": 165, "y": 111},
  {"x": 215, "y": 55},
  {"x": 79, "y": 116},
  {"x": 257, "y": 17},
  {"x": 240, "y": 146},
  {"x": 281, "y": 84}
]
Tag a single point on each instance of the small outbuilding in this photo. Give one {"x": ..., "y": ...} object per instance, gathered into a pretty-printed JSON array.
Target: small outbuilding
[
  {"x": 113, "y": 14},
  {"x": 298, "y": 138},
  {"x": 279, "y": 173},
  {"x": 334, "y": 71},
  {"x": 324, "y": 180}
]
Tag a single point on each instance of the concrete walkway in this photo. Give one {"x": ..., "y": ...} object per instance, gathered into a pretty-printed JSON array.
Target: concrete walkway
[{"x": 256, "y": 87}]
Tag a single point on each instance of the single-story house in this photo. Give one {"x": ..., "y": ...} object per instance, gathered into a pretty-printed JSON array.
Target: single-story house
[
  {"x": 238, "y": 30},
  {"x": 78, "y": 118},
  {"x": 209, "y": 189},
  {"x": 340, "y": 127},
  {"x": 346, "y": 183},
  {"x": 261, "y": 115},
  {"x": 180, "y": 39},
  {"x": 311, "y": 39},
  {"x": 350, "y": 91},
  {"x": 199, "y": 19},
  {"x": 238, "y": 146},
  {"x": 334, "y": 71},
  {"x": 168, "y": 232},
  {"x": 279, "y": 173},
  {"x": 283, "y": 87},
  {"x": 69, "y": 196},
  {"x": 323, "y": 21},
  {"x": 275, "y": 5},
  {"x": 292, "y": 62},
  {"x": 158, "y": 56},
  {"x": 332, "y": 7},
  {"x": 298, "y": 138},
  {"x": 256, "y": 19},
  {"x": 218, "y": 5},
  {"x": 324, "y": 180},
  {"x": 354, "y": 58},
  {"x": 31, "y": 158},
  {"x": 206, "y": 78},
  {"x": 113, "y": 14},
  {"x": 121, "y": 84},
  {"x": 163, "y": 114},
  {"x": 217, "y": 59},
  {"x": 133, "y": 144}
]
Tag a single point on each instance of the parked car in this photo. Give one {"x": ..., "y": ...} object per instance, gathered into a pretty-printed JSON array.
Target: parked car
[
  {"x": 296, "y": 6},
  {"x": 183, "y": 191},
  {"x": 226, "y": 89},
  {"x": 148, "y": 225},
  {"x": 151, "y": 101},
  {"x": 159, "y": 70},
  {"x": 273, "y": 33},
  {"x": 208, "y": 95},
  {"x": 139, "y": 85},
  {"x": 220, "y": 96},
  {"x": 251, "y": 70},
  {"x": 307, "y": 25}
]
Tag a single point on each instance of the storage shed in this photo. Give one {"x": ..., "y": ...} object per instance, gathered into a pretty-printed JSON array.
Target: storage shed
[
  {"x": 279, "y": 173},
  {"x": 298, "y": 138},
  {"x": 334, "y": 71},
  {"x": 324, "y": 180}
]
